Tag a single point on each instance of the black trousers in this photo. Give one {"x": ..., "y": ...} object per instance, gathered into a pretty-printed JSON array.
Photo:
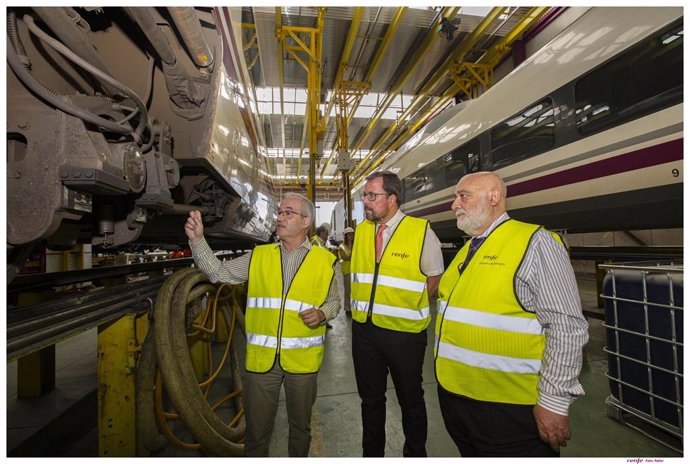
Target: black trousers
[
  {"x": 375, "y": 352},
  {"x": 483, "y": 429}
]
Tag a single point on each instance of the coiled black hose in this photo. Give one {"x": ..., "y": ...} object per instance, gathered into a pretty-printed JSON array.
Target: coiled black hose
[{"x": 179, "y": 378}]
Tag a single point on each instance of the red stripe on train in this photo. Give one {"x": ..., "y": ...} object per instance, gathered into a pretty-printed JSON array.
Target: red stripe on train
[
  {"x": 631, "y": 161},
  {"x": 638, "y": 159}
]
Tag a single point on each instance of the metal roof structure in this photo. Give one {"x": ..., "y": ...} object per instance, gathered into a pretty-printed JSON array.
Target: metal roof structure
[{"x": 378, "y": 74}]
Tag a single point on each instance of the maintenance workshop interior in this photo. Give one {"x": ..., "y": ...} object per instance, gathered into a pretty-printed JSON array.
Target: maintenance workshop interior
[{"x": 135, "y": 132}]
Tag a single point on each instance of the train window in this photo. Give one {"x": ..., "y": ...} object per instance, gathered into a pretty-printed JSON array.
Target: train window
[
  {"x": 644, "y": 79},
  {"x": 435, "y": 176},
  {"x": 459, "y": 162},
  {"x": 414, "y": 185},
  {"x": 455, "y": 167},
  {"x": 525, "y": 134},
  {"x": 473, "y": 160}
]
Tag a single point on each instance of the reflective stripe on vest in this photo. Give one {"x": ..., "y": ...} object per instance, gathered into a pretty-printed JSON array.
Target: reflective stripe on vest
[
  {"x": 400, "y": 295},
  {"x": 391, "y": 311},
  {"x": 491, "y": 321},
  {"x": 487, "y": 346},
  {"x": 268, "y": 341},
  {"x": 272, "y": 321},
  {"x": 489, "y": 361},
  {"x": 388, "y": 281},
  {"x": 274, "y": 303}
]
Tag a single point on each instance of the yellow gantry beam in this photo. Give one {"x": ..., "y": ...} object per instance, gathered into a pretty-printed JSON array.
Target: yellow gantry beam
[
  {"x": 479, "y": 75},
  {"x": 489, "y": 59},
  {"x": 355, "y": 90},
  {"x": 429, "y": 41},
  {"x": 376, "y": 61},
  {"x": 316, "y": 123},
  {"x": 281, "y": 84},
  {"x": 459, "y": 55},
  {"x": 425, "y": 92},
  {"x": 339, "y": 89},
  {"x": 252, "y": 39},
  {"x": 307, "y": 40}
]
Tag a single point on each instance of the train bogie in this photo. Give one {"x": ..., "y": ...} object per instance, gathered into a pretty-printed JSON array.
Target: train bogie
[{"x": 121, "y": 120}]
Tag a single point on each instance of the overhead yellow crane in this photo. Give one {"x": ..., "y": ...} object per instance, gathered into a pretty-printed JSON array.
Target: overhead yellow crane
[
  {"x": 347, "y": 95},
  {"x": 466, "y": 77},
  {"x": 296, "y": 40},
  {"x": 355, "y": 90},
  {"x": 429, "y": 40},
  {"x": 343, "y": 90},
  {"x": 425, "y": 93},
  {"x": 251, "y": 43},
  {"x": 489, "y": 60}
]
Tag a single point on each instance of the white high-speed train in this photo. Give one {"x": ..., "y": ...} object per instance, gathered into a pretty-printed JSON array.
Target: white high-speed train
[{"x": 587, "y": 133}]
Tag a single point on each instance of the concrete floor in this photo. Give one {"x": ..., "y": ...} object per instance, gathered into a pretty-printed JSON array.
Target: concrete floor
[{"x": 336, "y": 423}]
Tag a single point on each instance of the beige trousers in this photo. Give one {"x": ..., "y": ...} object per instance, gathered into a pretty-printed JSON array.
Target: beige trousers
[{"x": 261, "y": 393}]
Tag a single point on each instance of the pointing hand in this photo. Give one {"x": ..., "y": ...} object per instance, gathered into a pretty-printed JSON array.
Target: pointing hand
[{"x": 194, "y": 227}]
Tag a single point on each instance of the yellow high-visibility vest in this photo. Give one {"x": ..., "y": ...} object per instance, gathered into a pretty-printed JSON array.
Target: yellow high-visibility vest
[
  {"x": 273, "y": 324},
  {"x": 344, "y": 251},
  {"x": 488, "y": 347},
  {"x": 400, "y": 299},
  {"x": 316, "y": 241}
]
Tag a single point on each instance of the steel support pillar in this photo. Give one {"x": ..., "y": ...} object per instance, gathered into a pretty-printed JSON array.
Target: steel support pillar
[
  {"x": 36, "y": 373},
  {"x": 347, "y": 198},
  {"x": 118, "y": 344}
]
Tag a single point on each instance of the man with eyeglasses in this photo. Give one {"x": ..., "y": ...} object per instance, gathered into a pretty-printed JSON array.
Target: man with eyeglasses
[
  {"x": 291, "y": 295},
  {"x": 395, "y": 268}
]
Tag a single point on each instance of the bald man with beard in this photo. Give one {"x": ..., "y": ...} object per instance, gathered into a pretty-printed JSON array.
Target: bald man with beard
[{"x": 509, "y": 333}]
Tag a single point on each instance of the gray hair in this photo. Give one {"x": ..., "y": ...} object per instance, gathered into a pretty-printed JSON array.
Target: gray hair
[
  {"x": 392, "y": 184},
  {"x": 307, "y": 206}
]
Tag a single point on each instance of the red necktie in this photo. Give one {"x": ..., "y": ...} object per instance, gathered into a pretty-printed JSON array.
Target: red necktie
[{"x": 379, "y": 242}]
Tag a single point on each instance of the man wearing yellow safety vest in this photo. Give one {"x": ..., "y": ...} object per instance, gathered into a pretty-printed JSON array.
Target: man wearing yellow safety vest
[
  {"x": 344, "y": 256},
  {"x": 319, "y": 240},
  {"x": 509, "y": 333},
  {"x": 321, "y": 236},
  {"x": 291, "y": 295},
  {"x": 395, "y": 267}
]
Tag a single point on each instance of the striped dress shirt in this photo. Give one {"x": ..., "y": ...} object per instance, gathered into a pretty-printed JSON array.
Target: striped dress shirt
[
  {"x": 545, "y": 284},
  {"x": 236, "y": 271}
]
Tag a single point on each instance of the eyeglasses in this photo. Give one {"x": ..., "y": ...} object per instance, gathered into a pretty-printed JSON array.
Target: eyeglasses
[
  {"x": 372, "y": 196},
  {"x": 288, "y": 213}
]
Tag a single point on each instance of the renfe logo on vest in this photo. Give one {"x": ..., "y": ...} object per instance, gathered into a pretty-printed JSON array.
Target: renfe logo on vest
[
  {"x": 400, "y": 255},
  {"x": 491, "y": 260}
]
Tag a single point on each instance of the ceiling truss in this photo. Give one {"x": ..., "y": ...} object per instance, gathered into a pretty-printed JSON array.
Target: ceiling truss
[{"x": 343, "y": 56}]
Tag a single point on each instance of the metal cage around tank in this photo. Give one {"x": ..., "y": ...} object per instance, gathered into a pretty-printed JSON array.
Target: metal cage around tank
[{"x": 643, "y": 305}]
